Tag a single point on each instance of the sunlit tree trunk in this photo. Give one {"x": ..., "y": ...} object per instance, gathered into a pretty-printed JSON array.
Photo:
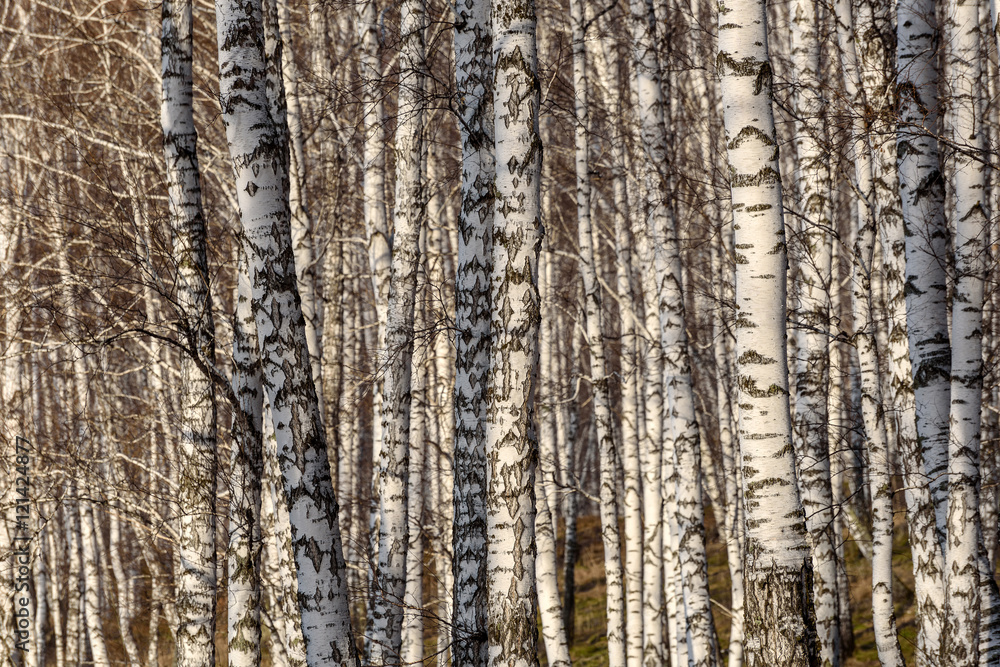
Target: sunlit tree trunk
[
  {"x": 606, "y": 67},
  {"x": 302, "y": 224},
  {"x": 92, "y": 586},
  {"x": 732, "y": 516},
  {"x": 921, "y": 188},
  {"x": 510, "y": 438},
  {"x": 779, "y": 629},
  {"x": 375, "y": 214},
  {"x": 877, "y": 443},
  {"x": 969, "y": 215},
  {"x": 247, "y": 471},
  {"x": 610, "y": 535},
  {"x": 546, "y": 500},
  {"x": 278, "y": 571},
  {"x": 259, "y": 170},
  {"x": 813, "y": 185},
  {"x": 196, "y": 588},
  {"x": 412, "y": 638}
]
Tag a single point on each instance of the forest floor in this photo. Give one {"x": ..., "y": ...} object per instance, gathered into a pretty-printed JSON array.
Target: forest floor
[{"x": 590, "y": 646}]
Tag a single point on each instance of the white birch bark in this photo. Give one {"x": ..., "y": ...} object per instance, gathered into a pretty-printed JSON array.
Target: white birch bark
[
  {"x": 921, "y": 188},
  {"x": 246, "y": 472},
  {"x": 778, "y": 625},
  {"x": 278, "y": 568},
  {"x": 55, "y": 567},
  {"x": 10, "y": 231},
  {"x": 632, "y": 498},
  {"x": 92, "y": 585},
  {"x": 691, "y": 549},
  {"x": 510, "y": 438},
  {"x": 442, "y": 235},
  {"x": 838, "y": 439},
  {"x": 681, "y": 462},
  {"x": 36, "y": 656},
  {"x": 260, "y": 180},
  {"x": 637, "y": 602},
  {"x": 196, "y": 587},
  {"x": 74, "y": 582},
  {"x": 412, "y": 632},
  {"x": 301, "y": 221},
  {"x": 474, "y": 84},
  {"x": 125, "y": 603},
  {"x": 549, "y": 603},
  {"x": 379, "y": 253},
  {"x": 732, "y": 518},
  {"x": 617, "y": 628},
  {"x": 648, "y": 95},
  {"x": 566, "y": 435},
  {"x": 374, "y": 205},
  {"x": 877, "y": 443},
  {"x": 813, "y": 186},
  {"x": 968, "y": 219}
]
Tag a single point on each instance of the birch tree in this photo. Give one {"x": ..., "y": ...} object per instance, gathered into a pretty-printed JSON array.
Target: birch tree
[
  {"x": 865, "y": 78},
  {"x": 778, "y": 626},
  {"x": 474, "y": 83},
  {"x": 813, "y": 365},
  {"x": 260, "y": 176},
  {"x": 877, "y": 445},
  {"x": 961, "y": 643},
  {"x": 247, "y": 470},
  {"x": 921, "y": 188},
  {"x": 516, "y": 241},
  {"x": 197, "y": 581}
]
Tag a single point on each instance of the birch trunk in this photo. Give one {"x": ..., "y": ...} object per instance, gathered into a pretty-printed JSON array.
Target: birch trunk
[
  {"x": 74, "y": 583},
  {"x": 301, "y": 221},
  {"x": 550, "y": 606},
  {"x": 648, "y": 94},
  {"x": 566, "y": 434},
  {"x": 412, "y": 632},
  {"x": 379, "y": 254},
  {"x": 92, "y": 586},
  {"x": 256, "y": 151},
  {"x": 605, "y": 61},
  {"x": 732, "y": 528},
  {"x": 883, "y": 612},
  {"x": 812, "y": 374},
  {"x": 510, "y": 438},
  {"x": 921, "y": 188},
  {"x": 969, "y": 214},
  {"x": 247, "y": 470},
  {"x": 197, "y": 584},
  {"x": 8, "y": 388},
  {"x": 474, "y": 85},
  {"x": 778, "y": 608},
  {"x": 838, "y": 438},
  {"x": 54, "y": 565}
]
